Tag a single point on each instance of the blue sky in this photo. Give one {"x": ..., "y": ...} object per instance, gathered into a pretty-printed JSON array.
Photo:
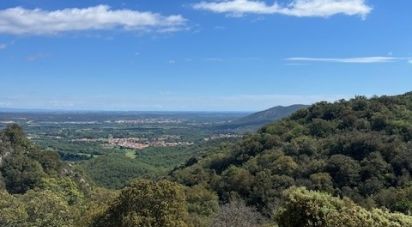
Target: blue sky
[{"x": 235, "y": 55}]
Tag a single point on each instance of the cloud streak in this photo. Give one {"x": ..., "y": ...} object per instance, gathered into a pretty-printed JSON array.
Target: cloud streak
[
  {"x": 297, "y": 8},
  {"x": 36, "y": 57},
  {"x": 355, "y": 60},
  {"x": 21, "y": 21}
]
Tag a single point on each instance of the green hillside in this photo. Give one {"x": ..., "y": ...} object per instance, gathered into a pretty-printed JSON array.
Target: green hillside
[
  {"x": 359, "y": 148},
  {"x": 37, "y": 189}
]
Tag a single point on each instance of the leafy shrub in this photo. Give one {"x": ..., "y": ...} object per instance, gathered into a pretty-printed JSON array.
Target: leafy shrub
[
  {"x": 305, "y": 208},
  {"x": 147, "y": 203}
]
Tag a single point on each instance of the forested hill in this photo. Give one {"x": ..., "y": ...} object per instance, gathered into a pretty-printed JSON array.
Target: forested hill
[
  {"x": 38, "y": 189},
  {"x": 254, "y": 121},
  {"x": 359, "y": 148}
]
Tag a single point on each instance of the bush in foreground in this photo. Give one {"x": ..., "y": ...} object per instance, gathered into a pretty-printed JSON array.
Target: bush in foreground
[
  {"x": 147, "y": 203},
  {"x": 305, "y": 208}
]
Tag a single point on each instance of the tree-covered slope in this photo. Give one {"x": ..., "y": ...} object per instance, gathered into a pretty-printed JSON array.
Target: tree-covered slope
[
  {"x": 115, "y": 170},
  {"x": 359, "y": 148},
  {"x": 37, "y": 189}
]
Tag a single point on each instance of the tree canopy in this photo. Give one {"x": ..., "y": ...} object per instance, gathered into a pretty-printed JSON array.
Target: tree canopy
[
  {"x": 303, "y": 208},
  {"x": 148, "y": 203},
  {"x": 360, "y": 148}
]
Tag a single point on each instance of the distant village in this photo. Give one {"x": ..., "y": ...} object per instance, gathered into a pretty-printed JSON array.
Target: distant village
[{"x": 141, "y": 143}]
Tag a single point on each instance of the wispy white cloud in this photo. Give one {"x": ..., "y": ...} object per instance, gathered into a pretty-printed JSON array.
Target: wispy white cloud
[
  {"x": 298, "y": 8},
  {"x": 356, "y": 60},
  {"x": 21, "y": 21},
  {"x": 36, "y": 57},
  {"x": 410, "y": 61},
  {"x": 3, "y": 46},
  {"x": 214, "y": 59}
]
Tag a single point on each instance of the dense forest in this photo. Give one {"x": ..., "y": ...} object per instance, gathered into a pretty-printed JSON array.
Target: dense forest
[
  {"x": 347, "y": 163},
  {"x": 360, "y": 149}
]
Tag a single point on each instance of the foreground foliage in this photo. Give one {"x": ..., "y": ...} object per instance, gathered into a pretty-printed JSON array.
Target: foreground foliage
[
  {"x": 303, "y": 208},
  {"x": 37, "y": 189},
  {"x": 236, "y": 213},
  {"x": 147, "y": 203}
]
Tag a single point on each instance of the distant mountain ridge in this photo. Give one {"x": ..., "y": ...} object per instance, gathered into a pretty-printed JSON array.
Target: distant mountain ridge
[{"x": 256, "y": 120}]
